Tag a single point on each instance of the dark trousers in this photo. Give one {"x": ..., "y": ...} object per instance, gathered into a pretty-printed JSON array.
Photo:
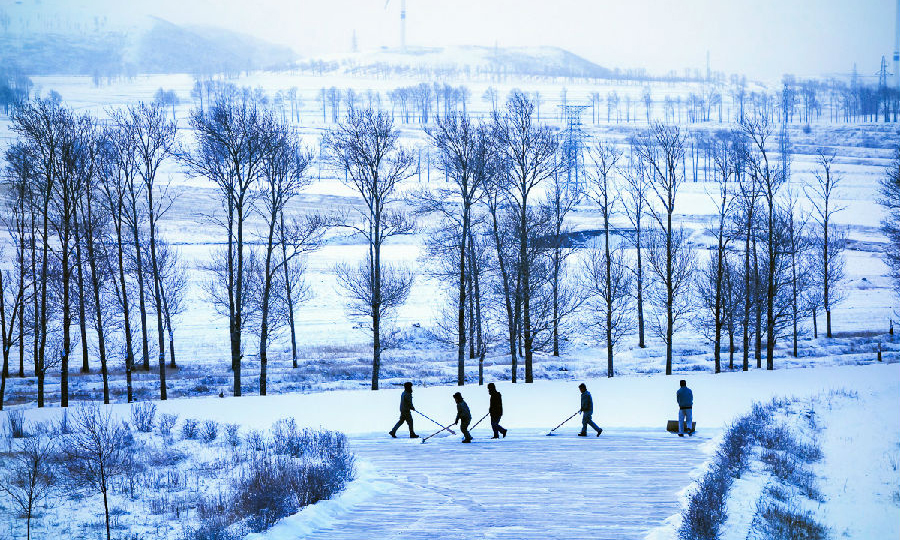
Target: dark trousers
[
  {"x": 587, "y": 421},
  {"x": 464, "y": 427},
  {"x": 404, "y": 417},
  {"x": 495, "y": 425}
]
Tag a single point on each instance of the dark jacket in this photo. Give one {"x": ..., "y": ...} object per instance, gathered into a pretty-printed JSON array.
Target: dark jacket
[
  {"x": 406, "y": 403},
  {"x": 587, "y": 404},
  {"x": 496, "y": 408},
  {"x": 685, "y": 397},
  {"x": 462, "y": 412}
]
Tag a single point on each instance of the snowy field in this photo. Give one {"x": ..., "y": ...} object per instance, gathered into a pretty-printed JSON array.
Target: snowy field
[{"x": 628, "y": 483}]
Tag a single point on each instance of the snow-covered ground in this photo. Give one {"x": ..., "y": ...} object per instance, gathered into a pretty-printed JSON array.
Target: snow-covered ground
[{"x": 584, "y": 486}]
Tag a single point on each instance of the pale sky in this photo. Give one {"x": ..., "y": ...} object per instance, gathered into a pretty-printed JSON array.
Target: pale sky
[{"x": 760, "y": 38}]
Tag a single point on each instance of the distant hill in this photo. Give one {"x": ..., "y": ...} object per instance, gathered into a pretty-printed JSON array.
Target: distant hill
[
  {"x": 154, "y": 46},
  {"x": 534, "y": 61}
]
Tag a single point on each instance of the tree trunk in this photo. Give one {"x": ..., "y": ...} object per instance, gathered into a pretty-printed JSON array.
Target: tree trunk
[
  {"x": 640, "y": 286},
  {"x": 477, "y": 298},
  {"x": 95, "y": 288},
  {"x": 461, "y": 307},
  {"x": 129, "y": 346},
  {"x": 266, "y": 293},
  {"x": 670, "y": 322},
  {"x": 66, "y": 322},
  {"x": 82, "y": 317},
  {"x": 290, "y": 298},
  {"x": 526, "y": 296},
  {"x": 237, "y": 325},
  {"x": 770, "y": 294},
  {"x": 609, "y": 293},
  {"x": 106, "y": 512},
  {"x": 145, "y": 346},
  {"x": 157, "y": 291},
  {"x": 504, "y": 276},
  {"x": 376, "y": 310}
]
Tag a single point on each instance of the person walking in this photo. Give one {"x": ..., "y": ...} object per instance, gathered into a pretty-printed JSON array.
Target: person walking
[
  {"x": 685, "y": 399},
  {"x": 406, "y": 408},
  {"x": 463, "y": 417},
  {"x": 587, "y": 411},
  {"x": 496, "y": 411}
]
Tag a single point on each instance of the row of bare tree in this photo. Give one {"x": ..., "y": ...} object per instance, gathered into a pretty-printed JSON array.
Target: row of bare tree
[
  {"x": 85, "y": 205},
  {"x": 503, "y": 241},
  {"x": 82, "y": 205}
]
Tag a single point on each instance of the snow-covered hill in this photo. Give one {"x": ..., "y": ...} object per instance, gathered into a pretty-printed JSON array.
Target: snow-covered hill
[
  {"x": 144, "y": 45},
  {"x": 526, "y": 61}
]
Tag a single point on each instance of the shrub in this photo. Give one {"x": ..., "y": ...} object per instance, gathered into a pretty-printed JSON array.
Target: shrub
[
  {"x": 255, "y": 441},
  {"x": 788, "y": 470},
  {"x": 143, "y": 416},
  {"x": 272, "y": 485},
  {"x": 233, "y": 435},
  {"x": 774, "y": 521},
  {"x": 286, "y": 438},
  {"x": 164, "y": 456},
  {"x": 16, "y": 421},
  {"x": 166, "y": 423},
  {"x": 213, "y": 527},
  {"x": 209, "y": 431},
  {"x": 189, "y": 429}
]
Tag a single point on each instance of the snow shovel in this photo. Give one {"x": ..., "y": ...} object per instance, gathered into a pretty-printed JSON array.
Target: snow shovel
[
  {"x": 561, "y": 423},
  {"x": 478, "y": 422},
  {"x": 441, "y": 425},
  {"x": 436, "y": 432}
]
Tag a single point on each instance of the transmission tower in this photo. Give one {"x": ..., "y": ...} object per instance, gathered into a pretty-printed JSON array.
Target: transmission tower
[{"x": 573, "y": 145}]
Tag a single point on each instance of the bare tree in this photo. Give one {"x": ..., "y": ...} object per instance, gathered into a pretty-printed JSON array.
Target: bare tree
[
  {"x": 503, "y": 238},
  {"x": 93, "y": 223},
  {"x": 41, "y": 129},
  {"x": 120, "y": 172},
  {"x": 606, "y": 156},
  {"x": 358, "y": 282},
  {"x": 725, "y": 161},
  {"x": 173, "y": 289},
  {"x": 95, "y": 451},
  {"x": 562, "y": 196},
  {"x": 366, "y": 148},
  {"x": 29, "y": 478},
  {"x": 825, "y": 207},
  {"x": 662, "y": 149},
  {"x": 153, "y": 140},
  {"x": 797, "y": 242},
  {"x": 17, "y": 177},
  {"x": 283, "y": 175},
  {"x": 746, "y": 223},
  {"x": 465, "y": 153},
  {"x": 530, "y": 152},
  {"x": 769, "y": 176},
  {"x": 610, "y": 284},
  {"x": 12, "y": 307},
  {"x": 231, "y": 147},
  {"x": 636, "y": 191}
]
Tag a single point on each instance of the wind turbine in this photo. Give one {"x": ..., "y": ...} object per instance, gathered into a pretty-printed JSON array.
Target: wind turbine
[{"x": 403, "y": 22}]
